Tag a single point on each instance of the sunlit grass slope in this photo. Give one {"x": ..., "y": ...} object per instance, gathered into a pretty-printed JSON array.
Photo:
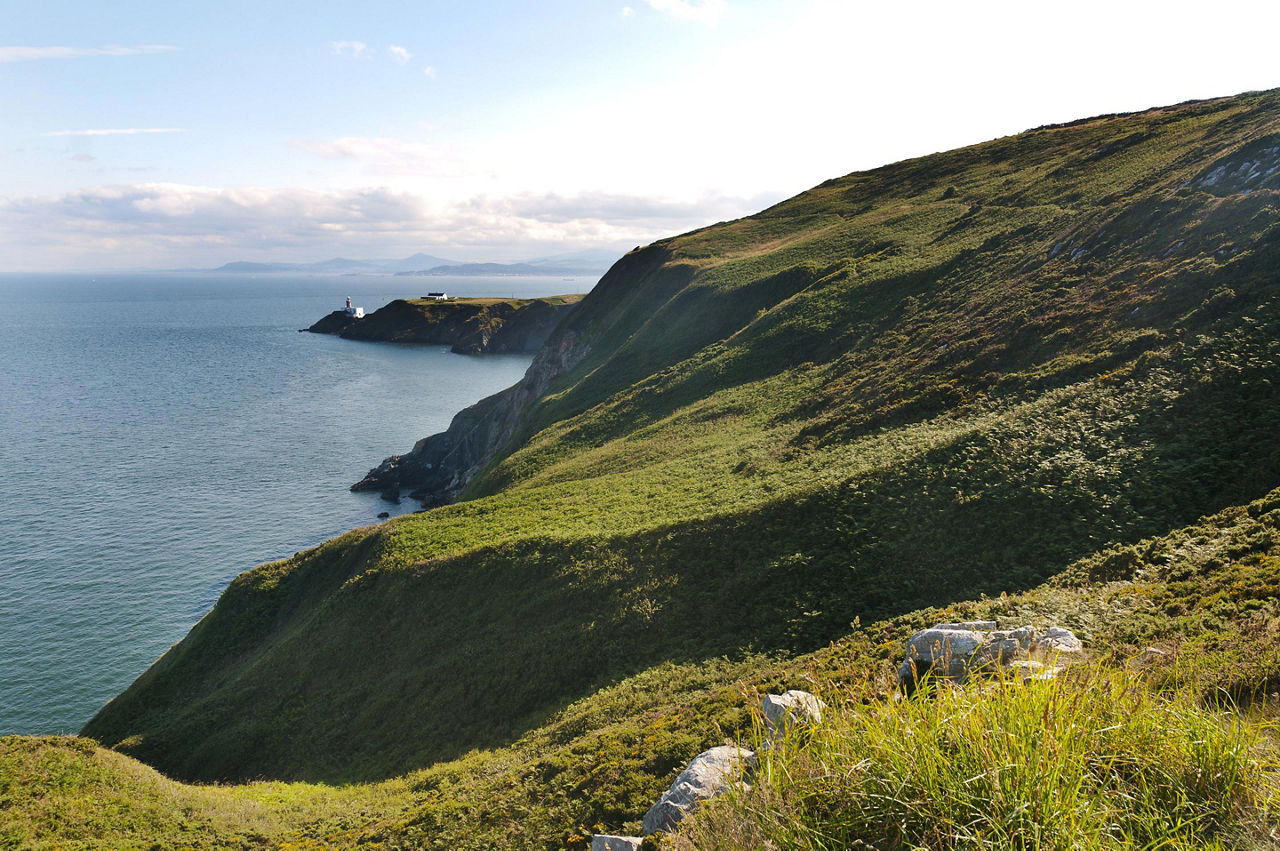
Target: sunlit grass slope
[
  {"x": 948, "y": 377},
  {"x": 1207, "y": 594}
]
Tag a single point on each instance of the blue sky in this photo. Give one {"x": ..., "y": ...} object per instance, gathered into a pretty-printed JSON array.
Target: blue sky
[{"x": 192, "y": 134}]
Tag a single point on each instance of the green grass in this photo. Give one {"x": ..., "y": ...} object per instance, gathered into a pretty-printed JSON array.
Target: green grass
[
  {"x": 1208, "y": 593},
  {"x": 1093, "y": 760},
  {"x": 909, "y": 394}
]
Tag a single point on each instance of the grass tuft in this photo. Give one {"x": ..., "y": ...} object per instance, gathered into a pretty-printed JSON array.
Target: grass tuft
[{"x": 1097, "y": 759}]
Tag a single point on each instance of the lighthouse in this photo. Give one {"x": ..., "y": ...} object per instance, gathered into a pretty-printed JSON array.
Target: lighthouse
[{"x": 354, "y": 312}]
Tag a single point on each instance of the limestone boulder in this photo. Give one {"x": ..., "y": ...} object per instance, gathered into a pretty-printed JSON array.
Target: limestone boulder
[
  {"x": 608, "y": 842},
  {"x": 942, "y": 650},
  {"x": 1056, "y": 644},
  {"x": 794, "y": 708},
  {"x": 709, "y": 774}
]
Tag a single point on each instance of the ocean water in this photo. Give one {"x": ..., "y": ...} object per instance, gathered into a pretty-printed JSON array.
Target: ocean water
[{"x": 159, "y": 434}]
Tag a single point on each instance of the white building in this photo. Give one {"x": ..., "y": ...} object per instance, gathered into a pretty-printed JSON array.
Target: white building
[{"x": 356, "y": 312}]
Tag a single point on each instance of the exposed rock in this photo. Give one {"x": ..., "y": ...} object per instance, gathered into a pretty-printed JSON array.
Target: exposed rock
[
  {"x": 943, "y": 650},
  {"x": 794, "y": 708},
  {"x": 950, "y": 651},
  {"x": 383, "y": 515},
  {"x": 707, "y": 776},
  {"x": 607, "y": 842},
  {"x": 1055, "y": 643},
  {"x": 334, "y": 323},
  {"x": 468, "y": 326},
  {"x": 1147, "y": 658},
  {"x": 1029, "y": 671},
  {"x": 440, "y": 466}
]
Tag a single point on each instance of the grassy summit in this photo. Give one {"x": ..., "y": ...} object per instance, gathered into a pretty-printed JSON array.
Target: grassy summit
[{"x": 907, "y": 388}]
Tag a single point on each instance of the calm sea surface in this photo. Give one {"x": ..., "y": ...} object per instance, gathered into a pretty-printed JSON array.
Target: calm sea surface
[{"x": 161, "y": 433}]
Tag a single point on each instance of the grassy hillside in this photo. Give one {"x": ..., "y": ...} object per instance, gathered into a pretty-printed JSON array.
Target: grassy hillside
[
  {"x": 907, "y": 387},
  {"x": 908, "y": 394},
  {"x": 1208, "y": 594}
]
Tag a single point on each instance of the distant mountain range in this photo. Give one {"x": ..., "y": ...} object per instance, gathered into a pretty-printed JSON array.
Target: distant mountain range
[{"x": 588, "y": 262}]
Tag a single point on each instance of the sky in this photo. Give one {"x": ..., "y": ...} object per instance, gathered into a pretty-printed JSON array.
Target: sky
[{"x": 175, "y": 135}]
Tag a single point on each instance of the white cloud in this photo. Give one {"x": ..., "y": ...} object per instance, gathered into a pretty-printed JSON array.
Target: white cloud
[
  {"x": 27, "y": 54},
  {"x": 399, "y": 55},
  {"x": 627, "y": 12},
  {"x": 704, "y": 11},
  {"x": 124, "y": 131},
  {"x": 354, "y": 49},
  {"x": 430, "y": 72},
  {"x": 175, "y": 224}
]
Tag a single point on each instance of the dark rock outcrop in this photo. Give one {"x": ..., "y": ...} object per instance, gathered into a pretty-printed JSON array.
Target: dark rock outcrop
[
  {"x": 438, "y": 467},
  {"x": 468, "y": 325},
  {"x": 334, "y": 323}
]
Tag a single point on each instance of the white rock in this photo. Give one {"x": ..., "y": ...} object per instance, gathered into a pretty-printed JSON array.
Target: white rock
[
  {"x": 791, "y": 709},
  {"x": 1056, "y": 642},
  {"x": 1147, "y": 657},
  {"x": 1029, "y": 671},
  {"x": 943, "y": 650},
  {"x": 973, "y": 626},
  {"x": 606, "y": 842},
  {"x": 707, "y": 776}
]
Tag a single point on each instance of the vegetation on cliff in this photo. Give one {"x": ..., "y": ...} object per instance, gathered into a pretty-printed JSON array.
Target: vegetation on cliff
[
  {"x": 907, "y": 395},
  {"x": 468, "y": 325}
]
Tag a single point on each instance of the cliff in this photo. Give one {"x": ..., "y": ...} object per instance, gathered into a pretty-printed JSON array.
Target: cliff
[
  {"x": 439, "y": 467},
  {"x": 930, "y": 386},
  {"x": 468, "y": 325}
]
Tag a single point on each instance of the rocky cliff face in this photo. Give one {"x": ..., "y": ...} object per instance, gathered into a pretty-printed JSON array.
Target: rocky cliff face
[
  {"x": 438, "y": 467},
  {"x": 468, "y": 325}
]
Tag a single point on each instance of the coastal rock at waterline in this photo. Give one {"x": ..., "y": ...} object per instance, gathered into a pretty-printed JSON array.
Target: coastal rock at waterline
[
  {"x": 707, "y": 776},
  {"x": 794, "y": 708},
  {"x": 607, "y": 842},
  {"x": 383, "y": 515}
]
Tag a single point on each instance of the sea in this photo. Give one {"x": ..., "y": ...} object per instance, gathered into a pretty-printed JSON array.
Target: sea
[{"x": 161, "y": 433}]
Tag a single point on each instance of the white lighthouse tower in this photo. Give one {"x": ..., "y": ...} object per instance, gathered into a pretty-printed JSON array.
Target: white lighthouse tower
[{"x": 355, "y": 312}]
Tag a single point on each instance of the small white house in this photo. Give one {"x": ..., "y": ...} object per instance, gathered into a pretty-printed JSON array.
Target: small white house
[
  {"x": 356, "y": 312},
  {"x": 438, "y": 296}
]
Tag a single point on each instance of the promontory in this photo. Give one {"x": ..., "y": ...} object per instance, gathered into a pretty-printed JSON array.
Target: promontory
[{"x": 468, "y": 325}]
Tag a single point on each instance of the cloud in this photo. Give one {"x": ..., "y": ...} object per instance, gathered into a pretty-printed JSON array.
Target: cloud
[
  {"x": 399, "y": 55},
  {"x": 125, "y": 131},
  {"x": 430, "y": 72},
  {"x": 27, "y": 54},
  {"x": 160, "y": 224},
  {"x": 354, "y": 49},
  {"x": 627, "y": 12},
  {"x": 704, "y": 11}
]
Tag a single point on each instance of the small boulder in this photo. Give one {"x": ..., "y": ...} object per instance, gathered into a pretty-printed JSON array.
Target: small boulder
[
  {"x": 943, "y": 650},
  {"x": 794, "y": 708},
  {"x": 607, "y": 842},
  {"x": 1004, "y": 646},
  {"x": 707, "y": 776},
  {"x": 383, "y": 515},
  {"x": 1147, "y": 658},
  {"x": 1028, "y": 671},
  {"x": 1056, "y": 642}
]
